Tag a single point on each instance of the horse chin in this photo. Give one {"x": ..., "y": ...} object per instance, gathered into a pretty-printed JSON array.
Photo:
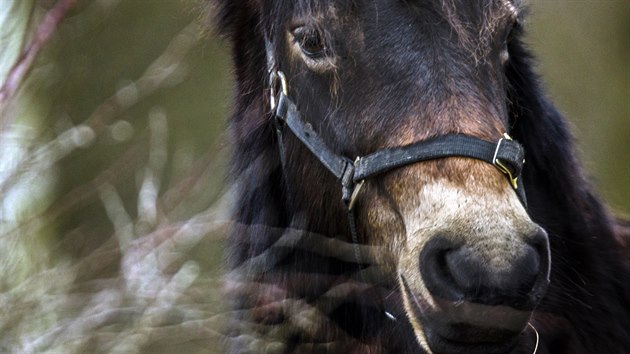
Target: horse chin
[{"x": 444, "y": 327}]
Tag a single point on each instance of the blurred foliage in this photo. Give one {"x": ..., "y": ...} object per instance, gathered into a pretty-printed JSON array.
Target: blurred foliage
[
  {"x": 118, "y": 150},
  {"x": 583, "y": 50},
  {"x": 101, "y": 64},
  {"x": 14, "y": 19}
]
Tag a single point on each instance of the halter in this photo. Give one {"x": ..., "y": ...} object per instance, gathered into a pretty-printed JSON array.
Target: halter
[{"x": 506, "y": 155}]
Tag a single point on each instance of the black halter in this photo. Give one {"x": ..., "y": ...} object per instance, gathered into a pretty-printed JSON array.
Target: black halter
[{"x": 506, "y": 155}]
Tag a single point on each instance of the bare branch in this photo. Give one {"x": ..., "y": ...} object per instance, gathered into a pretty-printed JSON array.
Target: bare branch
[{"x": 18, "y": 72}]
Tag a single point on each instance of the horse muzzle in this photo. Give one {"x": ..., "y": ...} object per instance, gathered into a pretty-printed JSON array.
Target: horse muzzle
[{"x": 462, "y": 304}]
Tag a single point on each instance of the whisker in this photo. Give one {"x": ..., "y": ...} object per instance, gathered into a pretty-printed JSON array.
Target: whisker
[{"x": 537, "y": 336}]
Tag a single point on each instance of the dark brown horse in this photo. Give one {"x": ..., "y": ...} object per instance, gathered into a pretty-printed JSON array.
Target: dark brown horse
[{"x": 442, "y": 250}]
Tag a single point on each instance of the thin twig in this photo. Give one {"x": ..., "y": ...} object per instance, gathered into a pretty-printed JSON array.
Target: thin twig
[
  {"x": 18, "y": 72},
  {"x": 164, "y": 71}
]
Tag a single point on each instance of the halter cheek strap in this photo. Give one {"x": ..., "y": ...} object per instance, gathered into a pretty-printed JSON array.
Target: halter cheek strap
[{"x": 506, "y": 155}]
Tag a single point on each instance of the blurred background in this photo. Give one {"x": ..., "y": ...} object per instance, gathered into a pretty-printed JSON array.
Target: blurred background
[{"x": 113, "y": 195}]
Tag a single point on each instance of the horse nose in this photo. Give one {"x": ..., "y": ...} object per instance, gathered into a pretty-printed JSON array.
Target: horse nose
[{"x": 464, "y": 273}]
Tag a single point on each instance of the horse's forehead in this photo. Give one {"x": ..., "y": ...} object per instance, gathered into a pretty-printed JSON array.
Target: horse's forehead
[
  {"x": 481, "y": 8},
  {"x": 477, "y": 24}
]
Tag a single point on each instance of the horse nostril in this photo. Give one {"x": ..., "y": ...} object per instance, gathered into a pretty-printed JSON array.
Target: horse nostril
[
  {"x": 485, "y": 284},
  {"x": 436, "y": 272},
  {"x": 461, "y": 274}
]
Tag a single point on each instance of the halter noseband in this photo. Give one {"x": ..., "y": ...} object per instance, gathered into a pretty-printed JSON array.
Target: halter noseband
[{"x": 506, "y": 155}]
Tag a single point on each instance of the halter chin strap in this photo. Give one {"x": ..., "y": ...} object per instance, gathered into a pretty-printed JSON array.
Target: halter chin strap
[{"x": 506, "y": 155}]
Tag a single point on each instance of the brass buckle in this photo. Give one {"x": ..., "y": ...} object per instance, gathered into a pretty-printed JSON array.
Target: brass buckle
[
  {"x": 356, "y": 189},
  {"x": 355, "y": 194},
  {"x": 500, "y": 166}
]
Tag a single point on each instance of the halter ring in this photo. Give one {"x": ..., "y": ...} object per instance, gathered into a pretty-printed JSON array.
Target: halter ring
[{"x": 274, "y": 77}]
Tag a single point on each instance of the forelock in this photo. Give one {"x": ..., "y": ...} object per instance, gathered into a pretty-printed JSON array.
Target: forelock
[{"x": 490, "y": 14}]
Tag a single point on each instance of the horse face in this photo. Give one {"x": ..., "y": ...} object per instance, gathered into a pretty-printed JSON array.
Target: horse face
[{"x": 470, "y": 263}]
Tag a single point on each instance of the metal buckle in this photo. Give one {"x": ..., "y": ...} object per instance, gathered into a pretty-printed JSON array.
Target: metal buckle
[
  {"x": 274, "y": 77},
  {"x": 355, "y": 194},
  {"x": 500, "y": 166},
  {"x": 356, "y": 189}
]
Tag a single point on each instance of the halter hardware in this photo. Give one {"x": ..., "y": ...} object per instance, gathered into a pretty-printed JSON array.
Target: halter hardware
[
  {"x": 501, "y": 166},
  {"x": 350, "y": 188},
  {"x": 275, "y": 78},
  {"x": 355, "y": 194}
]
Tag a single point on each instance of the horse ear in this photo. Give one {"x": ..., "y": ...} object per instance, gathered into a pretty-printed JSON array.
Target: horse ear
[{"x": 552, "y": 172}]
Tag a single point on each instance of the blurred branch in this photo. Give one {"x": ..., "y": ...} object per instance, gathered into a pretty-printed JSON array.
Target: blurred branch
[
  {"x": 158, "y": 155},
  {"x": 194, "y": 180},
  {"x": 167, "y": 70},
  {"x": 18, "y": 72},
  {"x": 141, "y": 286},
  {"x": 82, "y": 194}
]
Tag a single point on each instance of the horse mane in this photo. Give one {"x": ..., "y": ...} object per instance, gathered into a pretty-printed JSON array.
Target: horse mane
[{"x": 590, "y": 279}]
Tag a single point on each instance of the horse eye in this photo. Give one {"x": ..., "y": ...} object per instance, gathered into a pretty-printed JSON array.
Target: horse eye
[{"x": 310, "y": 42}]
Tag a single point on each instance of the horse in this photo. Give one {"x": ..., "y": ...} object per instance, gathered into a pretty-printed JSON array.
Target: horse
[{"x": 405, "y": 186}]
